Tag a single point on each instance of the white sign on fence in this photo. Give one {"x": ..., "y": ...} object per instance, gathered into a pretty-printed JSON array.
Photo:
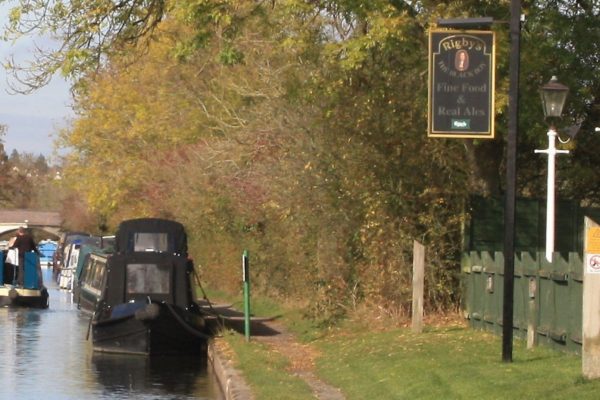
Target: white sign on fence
[{"x": 592, "y": 264}]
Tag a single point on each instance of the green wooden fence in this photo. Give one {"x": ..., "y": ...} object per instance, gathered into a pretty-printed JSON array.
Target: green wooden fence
[{"x": 548, "y": 296}]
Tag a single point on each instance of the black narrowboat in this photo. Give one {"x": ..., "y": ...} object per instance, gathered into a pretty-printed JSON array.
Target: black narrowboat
[{"x": 146, "y": 304}]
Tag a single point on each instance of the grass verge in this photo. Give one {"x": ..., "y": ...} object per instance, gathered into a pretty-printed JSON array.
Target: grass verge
[
  {"x": 451, "y": 362},
  {"x": 447, "y": 363}
]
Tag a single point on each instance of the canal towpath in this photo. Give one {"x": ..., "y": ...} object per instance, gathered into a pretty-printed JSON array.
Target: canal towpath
[{"x": 272, "y": 333}]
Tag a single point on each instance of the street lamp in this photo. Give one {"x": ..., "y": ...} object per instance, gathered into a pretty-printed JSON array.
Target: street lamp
[{"x": 554, "y": 95}]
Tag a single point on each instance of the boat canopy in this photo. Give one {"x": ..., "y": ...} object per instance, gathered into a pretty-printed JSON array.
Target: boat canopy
[
  {"x": 151, "y": 235},
  {"x": 160, "y": 277}
]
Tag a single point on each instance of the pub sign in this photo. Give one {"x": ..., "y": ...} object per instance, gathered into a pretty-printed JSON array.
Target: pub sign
[{"x": 461, "y": 84}]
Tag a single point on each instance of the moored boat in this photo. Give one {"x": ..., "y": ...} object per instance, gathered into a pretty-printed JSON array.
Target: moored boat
[
  {"x": 32, "y": 293},
  {"x": 61, "y": 254},
  {"x": 74, "y": 252},
  {"x": 146, "y": 304},
  {"x": 89, "y": 280},
  {"x": 88, "y": 277},
  {"x": 47, "y": 248}
]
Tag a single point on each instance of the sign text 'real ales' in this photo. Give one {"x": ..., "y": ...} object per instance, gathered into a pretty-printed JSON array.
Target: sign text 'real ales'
[{"x": 461, "y": 84}]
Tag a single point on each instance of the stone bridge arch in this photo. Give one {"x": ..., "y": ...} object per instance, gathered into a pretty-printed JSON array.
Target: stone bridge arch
[{"x": 48, "y": 221}]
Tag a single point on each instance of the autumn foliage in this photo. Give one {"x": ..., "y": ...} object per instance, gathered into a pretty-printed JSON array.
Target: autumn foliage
[{"x": 296, "y": 130}]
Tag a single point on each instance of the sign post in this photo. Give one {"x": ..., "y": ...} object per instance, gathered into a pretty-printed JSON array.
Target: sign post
[
  {"x": 461, "y": 105},
  {"x": 590, "y": 351},
  {"x": 418, "y": 286},
  {"x": 461, "y": 84},
  {"x": 246, "y": 279}
]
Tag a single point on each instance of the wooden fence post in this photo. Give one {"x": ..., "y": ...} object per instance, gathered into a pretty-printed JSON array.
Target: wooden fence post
[
  {"x": 590, "y": 352},
  {"x": 418, "y": 286},
  {"x": 532, "y": 314}
]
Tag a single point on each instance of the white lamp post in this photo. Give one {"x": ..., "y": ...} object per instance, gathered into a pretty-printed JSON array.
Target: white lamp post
[{"x": 554, "y": 95}]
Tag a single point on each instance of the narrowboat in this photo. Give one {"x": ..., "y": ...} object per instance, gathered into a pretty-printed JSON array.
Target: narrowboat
[
  {"x": 89, "y": 279},
  {"x": 61, "y": 255},
  {"x": 65, "y": 275},
  {"x": 75, "y": 252},
  {"x": 32, "y": 293},
  {"x": 47, "y": 248},
  {"x": 146, "y": 304}
]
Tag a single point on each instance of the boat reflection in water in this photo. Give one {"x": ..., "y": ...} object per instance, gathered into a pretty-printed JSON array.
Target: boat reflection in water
[{"x": 170, "y": 377}]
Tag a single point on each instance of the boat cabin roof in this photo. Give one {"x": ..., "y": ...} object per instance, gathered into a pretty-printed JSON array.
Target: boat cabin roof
[{"x": 151, "y": 235}]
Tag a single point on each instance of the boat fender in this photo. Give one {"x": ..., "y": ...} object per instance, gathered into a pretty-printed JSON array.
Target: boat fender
[
  {"x": 149, "y": 312},
  {"x": 13, "y": 294}
]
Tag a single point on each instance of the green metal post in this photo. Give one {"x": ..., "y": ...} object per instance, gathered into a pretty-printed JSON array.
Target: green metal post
[{"x": 246, "y": 279}]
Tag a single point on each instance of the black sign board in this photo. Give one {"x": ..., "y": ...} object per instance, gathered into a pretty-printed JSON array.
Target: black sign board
[{"x": 461, "y": 84}]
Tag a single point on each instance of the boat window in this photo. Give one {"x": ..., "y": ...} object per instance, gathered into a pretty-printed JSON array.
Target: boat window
[
  {"x": 85, "y": 271},
  {"x": 150, "y": 242},
  {"x": 95, "y": 273},
  {"x": 74, "y": 256},
  {"x": 147, "y": 278},
  {"x": 99, "y": 272},
  {"x": 89, "y": 271}
]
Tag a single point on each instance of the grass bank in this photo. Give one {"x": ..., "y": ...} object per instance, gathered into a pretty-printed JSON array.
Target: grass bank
[
  {"x": 442, "y": 363},
  {"x": 448, "y": 362}
]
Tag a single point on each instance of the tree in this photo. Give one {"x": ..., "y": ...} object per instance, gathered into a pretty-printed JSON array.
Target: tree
[
  {"x": 4, "y": 169},
  {"x": 87, "y": 31},
  {"x": 566, "y": 35},
  {"x": 297, "y": 129}
]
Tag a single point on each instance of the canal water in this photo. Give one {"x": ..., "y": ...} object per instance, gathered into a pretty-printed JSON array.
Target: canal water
[{"x": 44, "y": 354}]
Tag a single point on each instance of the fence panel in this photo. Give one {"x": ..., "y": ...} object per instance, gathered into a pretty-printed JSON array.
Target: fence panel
[
  {"x": 474, "y": 288},
  {"x": 546, "y": 303},
  {"x": 575, "y": 302},
  {"x": 521, "y": 299},
  {"x": 555, "y": 287},
  {"x": 488, "y": 279},
  {"x": 548, "y": 296}
]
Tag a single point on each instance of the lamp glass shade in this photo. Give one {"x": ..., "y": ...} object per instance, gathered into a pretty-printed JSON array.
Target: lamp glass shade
[{"x": 554, "y": 95}]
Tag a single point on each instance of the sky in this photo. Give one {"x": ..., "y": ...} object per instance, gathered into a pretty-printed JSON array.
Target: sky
[{"x": 33, "y": 120}]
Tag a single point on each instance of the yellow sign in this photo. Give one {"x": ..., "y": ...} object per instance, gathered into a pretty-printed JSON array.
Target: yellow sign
[{"x": 593, "y": 241}]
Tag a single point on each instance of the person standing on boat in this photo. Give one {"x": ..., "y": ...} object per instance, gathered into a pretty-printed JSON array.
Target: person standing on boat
[{"x": 24, "y": 243}]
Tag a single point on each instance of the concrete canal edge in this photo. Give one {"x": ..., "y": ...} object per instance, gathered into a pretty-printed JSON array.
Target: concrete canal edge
[{"x": 232, "y": 383}]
